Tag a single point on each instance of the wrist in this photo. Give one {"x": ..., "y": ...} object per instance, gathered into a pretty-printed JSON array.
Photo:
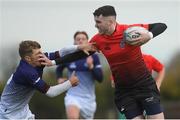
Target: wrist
[
  {"x": 53, "y": 62},
  {"x": 79, "y": 47},
  {"x": 69, "y": 83},
  {"x": 76, "y": 47},
  {"x": 150, "y": 34}
]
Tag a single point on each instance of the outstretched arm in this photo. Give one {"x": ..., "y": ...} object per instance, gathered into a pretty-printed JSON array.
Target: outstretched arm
[
  {"x": 65, "y": 59},
  {"x": 62, "y": 52},
  {"x": 74, "y": 48},
  {"x": 70, "y": 49},
  {"x": 84, "y": 51},
  {"x": 72, "y": 57}
]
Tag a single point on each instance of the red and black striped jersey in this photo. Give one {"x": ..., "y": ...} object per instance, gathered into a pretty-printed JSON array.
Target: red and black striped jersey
[{"x": 126, "y": 61}]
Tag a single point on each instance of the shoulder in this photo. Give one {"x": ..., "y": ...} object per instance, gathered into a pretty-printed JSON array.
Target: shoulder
[
  {"x": 121, "y": 27},
  {"x": 27, "y": 70},
  {"x": 149, "y": 58},
  {"x": 96, "y": 37}
]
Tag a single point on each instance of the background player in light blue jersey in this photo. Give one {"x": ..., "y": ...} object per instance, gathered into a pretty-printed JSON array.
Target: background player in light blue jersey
[
  {"x": 80, "y": 101},
  {"x": 28, "y": 77}
]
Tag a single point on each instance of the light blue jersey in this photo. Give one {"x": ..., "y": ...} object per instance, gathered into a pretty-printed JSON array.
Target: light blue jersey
[
  {"x": 86, "y": 86},
  {"x": 83, "y": 95}
]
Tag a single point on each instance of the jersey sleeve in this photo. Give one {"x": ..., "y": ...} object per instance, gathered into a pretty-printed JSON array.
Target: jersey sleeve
[
  {"x": 141, "y": 25},
  {"x": 62, "y": 52},
  {"x": 156, "y": 64},
  {"x": 95, "y": 40},
  {"x": 97, "y": 70},
  {"x": 35, "y": 81},
  {"x": 157, "y": 28},
  {"x": 68, "y": 49},
  {"x": 72, "y": 57},
  {"x": 53, "y": 55}
]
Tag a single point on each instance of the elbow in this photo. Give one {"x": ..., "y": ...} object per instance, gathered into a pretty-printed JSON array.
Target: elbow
[
  {"x": 164, "y": 26},
  {"x": 50, "y": 95}
]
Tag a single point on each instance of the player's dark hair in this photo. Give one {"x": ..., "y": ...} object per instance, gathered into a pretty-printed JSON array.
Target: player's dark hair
[
  {"x": 80, "y": 32},
  {"x": 26, "y": 47},
  {"x": 105, "y": 11}
]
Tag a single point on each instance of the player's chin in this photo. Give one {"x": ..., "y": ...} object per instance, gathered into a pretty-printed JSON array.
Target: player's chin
[{"x": 101, "y": 32}]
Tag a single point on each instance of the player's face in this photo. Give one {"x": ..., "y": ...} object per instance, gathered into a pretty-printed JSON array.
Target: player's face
[
  {"x": 80, "y": 39},
  {"x": 34, "y": 57},
  {"x": 102, "y": 24}
]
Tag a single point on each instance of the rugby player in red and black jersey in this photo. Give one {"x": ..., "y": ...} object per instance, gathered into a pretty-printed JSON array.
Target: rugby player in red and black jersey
[
  {"x": 153, "y": 65},
  {"x": 135, "y": 89}
]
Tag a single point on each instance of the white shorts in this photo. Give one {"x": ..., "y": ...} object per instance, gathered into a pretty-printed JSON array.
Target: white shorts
[
  {"x": 23, "y": 113},
  {"x": 87, "y": 106}
]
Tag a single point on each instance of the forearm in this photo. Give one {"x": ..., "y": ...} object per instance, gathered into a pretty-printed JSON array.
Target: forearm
[
  {"x": 62, "y": 52},
  {"x": 67, "y": 50},
  {"x": 56, "y": 90},
  {"x": 52, "y": 55},
  {"x": 72, "y": 57},
  {"x": 157, "y": 28},
  {"x": 160, "y": 77}
]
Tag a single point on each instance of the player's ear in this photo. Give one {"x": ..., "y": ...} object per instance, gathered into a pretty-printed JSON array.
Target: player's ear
[{"x": 27, "y": 58}]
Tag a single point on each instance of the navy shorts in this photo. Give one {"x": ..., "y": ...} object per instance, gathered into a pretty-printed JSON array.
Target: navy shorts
[{"x": 134, "y": 101}]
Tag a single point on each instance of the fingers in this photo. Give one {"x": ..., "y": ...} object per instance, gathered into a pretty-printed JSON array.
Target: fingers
[
  {"x": 74, "y": 80},
  {"x": 42, "y": 60},
  {"x": 44, "y": 63},
  {"x": 41, "y": 55},
  {"x": 93, "y": 46},
  {"x": 87, "y": 47},
  {"x": 73, "y": 73},
  {"x": 93, "y": 43},
  {"x": 136, "y": 41}
]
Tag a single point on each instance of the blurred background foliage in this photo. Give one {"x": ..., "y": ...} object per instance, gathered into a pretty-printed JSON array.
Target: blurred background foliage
[
  {"x": 171, "y": 85},
  {"x": 45, "y": 107}
]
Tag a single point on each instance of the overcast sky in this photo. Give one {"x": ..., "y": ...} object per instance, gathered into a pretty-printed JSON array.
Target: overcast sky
[{"x": 53, "y": 22}]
